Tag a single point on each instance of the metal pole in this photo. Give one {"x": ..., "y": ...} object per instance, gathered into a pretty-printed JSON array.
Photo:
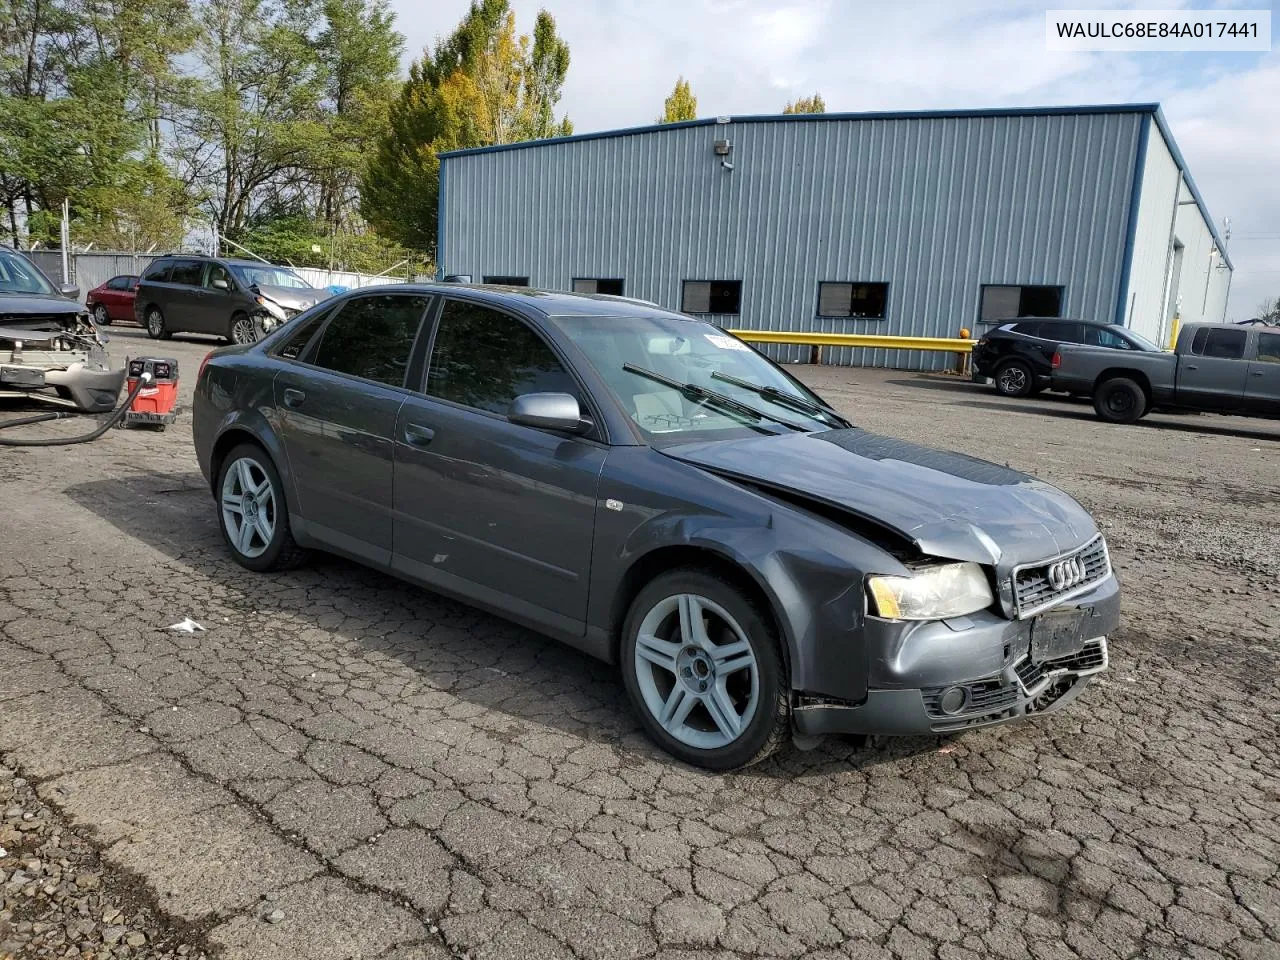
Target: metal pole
[
  {"x": 66, "y": 240},
  {"x": 215, "y": 238},
  {"x": 390, "y": 268},
  {"x": 247, "y": 250}
]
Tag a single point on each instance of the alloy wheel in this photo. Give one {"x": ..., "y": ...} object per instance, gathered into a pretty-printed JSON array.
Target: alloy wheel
[
  {"x": 1013, "y": 380},
  {"x": 697, "y": 671},
  {"x": 248, "y": 507},
  {"x": 242, "y": 331},
  {"x": 100, "y": 316},
  {"x": 155, "y": 323}
]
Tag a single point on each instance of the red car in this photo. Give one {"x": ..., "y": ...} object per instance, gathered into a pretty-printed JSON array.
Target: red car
[{"x": 112, "y": 300}]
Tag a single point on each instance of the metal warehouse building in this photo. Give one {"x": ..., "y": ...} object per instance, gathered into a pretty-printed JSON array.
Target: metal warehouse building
[{"x": 915, "y": 224}]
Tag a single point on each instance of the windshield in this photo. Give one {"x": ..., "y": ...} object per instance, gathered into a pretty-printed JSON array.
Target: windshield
[
  {"x": 698, "y": 353},
  {"x": 269, "y": 276},
  {"x": 19, "y": 275}
]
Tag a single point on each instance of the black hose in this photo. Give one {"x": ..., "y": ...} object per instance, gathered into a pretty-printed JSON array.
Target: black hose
[{"x": 106, "y": 425}]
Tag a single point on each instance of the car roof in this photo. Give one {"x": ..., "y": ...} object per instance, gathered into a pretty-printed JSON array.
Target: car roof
[
  {"x": 238, "y": 261},
  {"x": 550, "y": 303}
]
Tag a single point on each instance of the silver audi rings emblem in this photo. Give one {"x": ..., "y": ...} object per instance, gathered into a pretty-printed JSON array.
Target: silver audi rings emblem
[{"x": 1065, "y": 574}]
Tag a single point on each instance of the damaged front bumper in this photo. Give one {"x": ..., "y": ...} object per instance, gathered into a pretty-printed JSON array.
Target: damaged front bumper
[
  {"x": 947, "y": 676},
  {"x": 81, "y": 379}
]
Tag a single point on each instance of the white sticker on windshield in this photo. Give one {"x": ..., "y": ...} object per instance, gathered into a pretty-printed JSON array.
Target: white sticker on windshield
[{"x": 726, "y": 343}]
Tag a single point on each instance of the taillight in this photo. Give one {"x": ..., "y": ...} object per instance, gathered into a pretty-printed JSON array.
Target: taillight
[
  {"x": 1057, "y": 360},
  {"x": 204, "y": 363}
]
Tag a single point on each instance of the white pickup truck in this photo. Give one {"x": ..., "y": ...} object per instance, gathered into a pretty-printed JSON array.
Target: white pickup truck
[{"x": 1215, "y": 367}]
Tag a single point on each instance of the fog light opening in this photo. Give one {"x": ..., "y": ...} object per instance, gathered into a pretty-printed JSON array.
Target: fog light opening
[{"x": 953, "y": 700}]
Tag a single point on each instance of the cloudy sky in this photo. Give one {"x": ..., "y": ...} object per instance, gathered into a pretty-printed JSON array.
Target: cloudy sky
[{"x": 751, "y": 56}]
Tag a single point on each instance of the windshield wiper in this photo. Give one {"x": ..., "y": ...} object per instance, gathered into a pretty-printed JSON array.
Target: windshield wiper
[
  {"x": 698, "y": 393},
  {"x": 783, "y": 399}
]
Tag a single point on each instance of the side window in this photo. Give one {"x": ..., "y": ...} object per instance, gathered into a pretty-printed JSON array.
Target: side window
[
  {"x": 485, "y": 359},
  {"x": 117, "y": 283},
  {"x": 297, "y": 341},
  {"x": 158, "y": 271},
  {"x": 1269, "y": 348},
  {"x": 186, "y": 272},
  {"x": 1059, "y": 332},
  {"x": 372, "y": 337},
  {"x": 1102, "y": 337},
  {"x": 1197, "y": 345},
  {"x": 217, "y": 271},
  {"x": 1224, "y": 344}
]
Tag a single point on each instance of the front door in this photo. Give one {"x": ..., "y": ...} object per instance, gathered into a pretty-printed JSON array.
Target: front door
[
  {"x": 1262, "y": 385},
  {"x": 215, "y": 304},
  {"x": 338, "y": 406},
  {"x": 486, "y": 508},
  {"x": 1212, "y": 375}
]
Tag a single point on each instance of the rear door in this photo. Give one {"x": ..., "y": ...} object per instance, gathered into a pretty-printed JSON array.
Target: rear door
[
  {"x": 338, "y": 402},
  {"x": 1213, "y": 374},
  {"x": 1262, "y": 385},
  {"x": 487, "y": 508},
  {"x": 182, "y": 299},
  {"x": 215, "y": 303}
]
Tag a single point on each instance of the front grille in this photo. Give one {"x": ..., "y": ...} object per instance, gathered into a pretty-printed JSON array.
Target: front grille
[
  {"x": 1010, "y": 694},
  {"x": 1091, "y": 658},
  {"x": 1033, "y": 590}
]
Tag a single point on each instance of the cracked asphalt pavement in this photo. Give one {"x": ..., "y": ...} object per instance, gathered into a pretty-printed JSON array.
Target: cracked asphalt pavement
[{"x": 341, "y": 765}]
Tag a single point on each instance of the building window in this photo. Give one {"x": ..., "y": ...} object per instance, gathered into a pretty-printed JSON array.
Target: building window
[
  {"x": 613, "y": 287},
  {"x": 505, "y": 281},
  {"x": 711, "y": 296},
  {"x": 1007, "y": 303},
  {"x": 863, "y": 301}
]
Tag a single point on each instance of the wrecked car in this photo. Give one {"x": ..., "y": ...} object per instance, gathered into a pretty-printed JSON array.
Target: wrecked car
[
  {"x": 50, "y": 349},
  {"x": 649, "y": 489}
]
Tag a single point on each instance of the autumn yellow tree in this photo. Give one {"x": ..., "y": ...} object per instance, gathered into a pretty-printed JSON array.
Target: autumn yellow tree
[
  {"x": 814, "y": 104},
  {"x": 681, "y": 105}
]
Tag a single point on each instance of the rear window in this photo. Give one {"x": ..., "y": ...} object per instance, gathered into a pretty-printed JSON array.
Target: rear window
[
  {"x": 1219, "y": 343},
  {"x": 158, "y": 271}
]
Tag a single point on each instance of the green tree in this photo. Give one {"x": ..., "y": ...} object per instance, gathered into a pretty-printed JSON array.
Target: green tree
[
  {"x": 814, "y": 104},
  {"x": 680, "y": 105},
  {"x": 359, "y": 54},
  {"x": 481, "y": 85}
]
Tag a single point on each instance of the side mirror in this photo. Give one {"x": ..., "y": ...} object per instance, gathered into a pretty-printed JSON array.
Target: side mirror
[
  {"x": 70, "y": 291},
  {"x": 220, "y": 283},
  {"x": 547, "y": 411}
]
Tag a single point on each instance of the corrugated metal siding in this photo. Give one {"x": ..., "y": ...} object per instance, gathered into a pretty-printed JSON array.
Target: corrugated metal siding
[
  {"x": 935, "y": 207},
  {"x": 1153, "y": 240}
]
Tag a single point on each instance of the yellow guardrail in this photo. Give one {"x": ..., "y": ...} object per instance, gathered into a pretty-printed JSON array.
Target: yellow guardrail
[{"x": 949, "y": 344}]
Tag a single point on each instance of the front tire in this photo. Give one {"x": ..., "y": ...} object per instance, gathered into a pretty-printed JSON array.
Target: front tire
[
  {"x": 242, "y": 330},
  {"x": 100, "y": 316},
  {"x": 156, "y": 328},
  {"x": 702, "y": 667},
  {"x": 1014, "y": 379},
  {"x": 1120, "y": 400},
  {"x": 252, "y": 512}
]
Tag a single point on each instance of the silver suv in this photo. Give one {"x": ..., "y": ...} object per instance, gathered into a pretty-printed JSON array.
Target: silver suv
[{"x": 239, "y": 300}]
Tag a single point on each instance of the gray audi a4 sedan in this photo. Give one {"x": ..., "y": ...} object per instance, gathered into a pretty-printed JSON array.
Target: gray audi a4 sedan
[{"x": 648, "y": 488}]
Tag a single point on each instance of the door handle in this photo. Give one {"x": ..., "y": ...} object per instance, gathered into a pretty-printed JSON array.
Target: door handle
[
  {"x": 1192, "y": 366},
  {"x": 1256, "y": 373},
  {"x": 293, "y": 398},
  {"x": 416, "y": 435}
]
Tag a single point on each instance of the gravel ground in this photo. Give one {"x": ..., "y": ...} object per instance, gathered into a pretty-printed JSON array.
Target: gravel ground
[
  {"x": 342, "y": 766},
  {"x": 58, "y": 899}
]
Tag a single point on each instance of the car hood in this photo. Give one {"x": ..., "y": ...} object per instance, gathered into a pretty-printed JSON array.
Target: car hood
[
  {"x": 947, "y": 504},
  {"x": 27, "y": 316},
  {"x": 293, "y": 297}
]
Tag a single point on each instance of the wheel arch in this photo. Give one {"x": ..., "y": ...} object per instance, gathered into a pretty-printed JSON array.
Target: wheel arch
[
  {"x": 1137, "y": 376},
  {"x": 712, "y": 558},
  {"x": 238, "y": 432}
]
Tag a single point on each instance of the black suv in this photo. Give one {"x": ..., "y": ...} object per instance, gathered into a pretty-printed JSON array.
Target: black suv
[
  {"x": 235, "y": 299},
  {"x": 1017, "y": 355}
]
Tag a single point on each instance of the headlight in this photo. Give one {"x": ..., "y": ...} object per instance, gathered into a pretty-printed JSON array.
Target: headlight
[{"x": 932, "y": 593}]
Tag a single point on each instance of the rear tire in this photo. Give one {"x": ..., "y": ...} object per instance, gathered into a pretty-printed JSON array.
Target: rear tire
[
  {"x": 701, "y": 664},
  {"x": 156, "y": 328},
  {"x": 1014, "y": 379},
  {"x": 252, "y": 513},
  {"x": 1120, "y": 400}
]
